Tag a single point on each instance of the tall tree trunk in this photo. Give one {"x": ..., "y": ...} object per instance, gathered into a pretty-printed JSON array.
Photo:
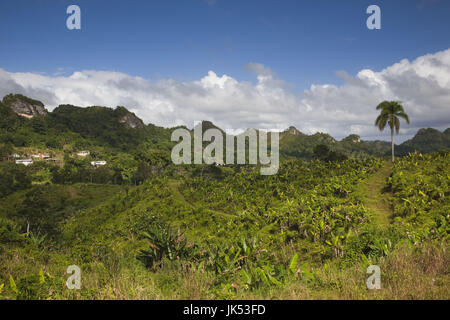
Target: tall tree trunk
[{"x": 392, "y": 143}]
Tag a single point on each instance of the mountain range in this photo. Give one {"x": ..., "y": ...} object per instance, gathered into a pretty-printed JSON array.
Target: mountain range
[{"x": 26, "y": 122}]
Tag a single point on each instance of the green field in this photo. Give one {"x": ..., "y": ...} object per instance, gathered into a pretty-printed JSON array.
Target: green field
[{"x": 309, "y": 232}]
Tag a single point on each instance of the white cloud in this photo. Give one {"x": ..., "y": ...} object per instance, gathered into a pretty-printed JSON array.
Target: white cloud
[{"x": 423, "y": 86}]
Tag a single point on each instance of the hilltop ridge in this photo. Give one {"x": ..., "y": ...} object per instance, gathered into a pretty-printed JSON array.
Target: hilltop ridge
[{"x": 121, "y": 128}]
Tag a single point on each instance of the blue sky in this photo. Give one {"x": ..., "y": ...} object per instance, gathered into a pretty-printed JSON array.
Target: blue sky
[
  {"x": 302, "y": 41},
  {"x": 301, "y": 45}
]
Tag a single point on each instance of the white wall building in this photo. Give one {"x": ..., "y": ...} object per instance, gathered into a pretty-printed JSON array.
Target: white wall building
[
  {"x": 83, "y": 153},
  {"x": 98, "y": 163},
  {"x": 24, "y": 161},
  {"x": 40, "y": 156}
]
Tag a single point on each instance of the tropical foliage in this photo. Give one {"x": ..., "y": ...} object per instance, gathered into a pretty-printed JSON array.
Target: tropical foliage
[
  {"x": 142, "y": 228},
  {"x": 240, "y": 235}
]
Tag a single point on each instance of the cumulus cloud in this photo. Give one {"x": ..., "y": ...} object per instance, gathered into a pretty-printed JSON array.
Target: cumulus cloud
[{"x": 423, "y": 85}]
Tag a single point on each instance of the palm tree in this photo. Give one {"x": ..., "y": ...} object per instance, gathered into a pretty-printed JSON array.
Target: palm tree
[{"x": 391, "y": 111}]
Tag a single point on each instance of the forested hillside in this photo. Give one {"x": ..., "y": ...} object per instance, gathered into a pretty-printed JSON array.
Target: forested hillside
[{"x": 69, "y": 127}]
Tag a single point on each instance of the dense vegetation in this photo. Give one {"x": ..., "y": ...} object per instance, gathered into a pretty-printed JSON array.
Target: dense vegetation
[
  {"x": 143, "y": 228},
  {"x": 421, "y": 189},
  {"x": 237, "y": 235}
]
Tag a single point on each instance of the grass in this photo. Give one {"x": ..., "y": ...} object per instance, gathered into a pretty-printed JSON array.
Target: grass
[
  {"x": 173, "y": 185},
  {"x": 375, "y": 195},
  {"x": 407, "y": 273}
]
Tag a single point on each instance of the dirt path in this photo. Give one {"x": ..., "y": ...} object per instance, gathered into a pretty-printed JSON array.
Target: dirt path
[
  {"x": 173, "y": 186},
  {"x": 375, "y": 197}
]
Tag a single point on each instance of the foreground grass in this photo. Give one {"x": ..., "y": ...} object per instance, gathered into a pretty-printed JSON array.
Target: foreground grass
[{"x": 407, "y": 273}]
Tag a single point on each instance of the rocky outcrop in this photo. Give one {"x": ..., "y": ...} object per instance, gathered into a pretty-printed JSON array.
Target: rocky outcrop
[
  {"x": 354, "y": 138},
  {"x": 293, "y": 131},
  {"x": 131, "y": 121},
  {"x": 24, "y": 106}
]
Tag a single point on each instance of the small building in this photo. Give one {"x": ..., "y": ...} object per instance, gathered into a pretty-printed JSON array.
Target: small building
[
  {"x": 40, "y": 156},
  {"x": 98, "y": 163},
  {"x": 25, "y": 162},
  {"x": 83, "y": 153}
]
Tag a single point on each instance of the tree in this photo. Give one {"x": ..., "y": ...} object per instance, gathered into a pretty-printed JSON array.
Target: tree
[
  {"x": 324, "y": 153},
  {"x": 5, "y": 151},
  {"x": 390, "y": 113},
  {"x": 321, "y": 151},
  {"x": 13, "y": 177}
]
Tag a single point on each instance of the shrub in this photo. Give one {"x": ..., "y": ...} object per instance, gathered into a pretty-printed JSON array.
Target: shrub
[{"x": 163, "y": 242}]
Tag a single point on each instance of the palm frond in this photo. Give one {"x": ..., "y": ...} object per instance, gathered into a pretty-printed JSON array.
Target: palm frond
[
  {"x": 390, "y": 111},
  {"x": 396, "y": 124},
  {"x": 382, "y": 122},
  {"x": 404, "y": 116},
  {"x": 383, "y": 105}
]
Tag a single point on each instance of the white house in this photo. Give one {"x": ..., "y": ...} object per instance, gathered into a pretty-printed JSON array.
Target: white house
[
  {"x": 40, "y": 156},
  {"x": 83, "y": 153},
  {"x": 24, "y": 161},
  {"x": 98, "y": 163}
]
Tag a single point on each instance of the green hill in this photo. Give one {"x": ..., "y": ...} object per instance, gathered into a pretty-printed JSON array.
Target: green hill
[
  {"x": 79, "y": 127},
  {"x": 426, "y": 140},
  {"x": 118, "y": 129}
]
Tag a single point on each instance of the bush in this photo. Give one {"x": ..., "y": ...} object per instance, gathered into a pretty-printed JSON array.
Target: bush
[
  {"x": 372, "y": 242},
  {"x": 9, "y": 231},
  {"x": 13, "y": 177},
  {"x": 163, "y": 242}
]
